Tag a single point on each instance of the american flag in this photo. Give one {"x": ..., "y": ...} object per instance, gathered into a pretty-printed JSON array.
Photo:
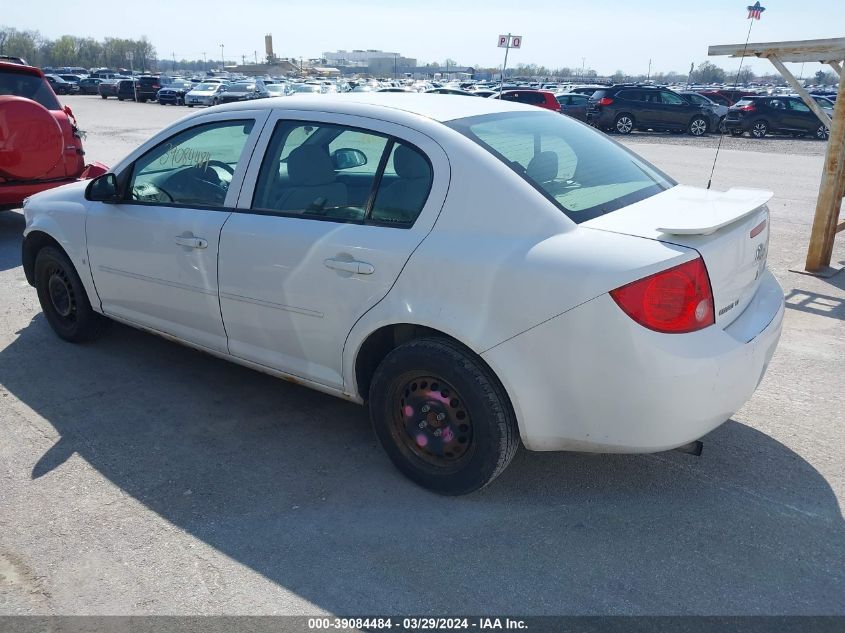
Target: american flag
[{"x": 755, "y": 11}]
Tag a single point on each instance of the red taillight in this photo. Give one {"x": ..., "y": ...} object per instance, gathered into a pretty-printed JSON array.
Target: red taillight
[
  {"x": 604, "y": 101},
  {"x": 748, "y": 108},
  {"x": 673, "y": 301}
]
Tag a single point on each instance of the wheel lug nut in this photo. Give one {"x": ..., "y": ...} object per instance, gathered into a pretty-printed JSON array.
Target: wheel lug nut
[{"x": 426, "y": 408}]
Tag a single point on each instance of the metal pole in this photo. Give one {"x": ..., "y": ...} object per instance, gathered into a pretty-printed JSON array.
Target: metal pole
[
  {"x": 222, "y": 59},
  {"x": 648, "y": 76},
  {"x": 504, "y": 66}
]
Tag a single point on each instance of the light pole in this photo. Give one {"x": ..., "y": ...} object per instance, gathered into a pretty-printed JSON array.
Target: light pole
[
  {"x": 648, "y": 76},
  {"x": 204, "y": 61},
  {"x": 583, "y": 62},
  {"x": 222, "y": 59},
  {"x": 394, "y": 65}
]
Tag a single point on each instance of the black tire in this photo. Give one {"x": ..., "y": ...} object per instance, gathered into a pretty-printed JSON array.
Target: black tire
[
  {"x": 759, "y": 129},
  {"x": 623, "y": 123},
  {"x": 736, "y": 132},
  {"x": 120, "y": 98},
  {"x": 161, "y": 103},
  {"x": 698, "y": 126},
  {"x": 822, "y": 132},
  {"x": 64, "y": 300},
  {"x": 104, "y": 96},
  {"x": 478, "y": 423}
]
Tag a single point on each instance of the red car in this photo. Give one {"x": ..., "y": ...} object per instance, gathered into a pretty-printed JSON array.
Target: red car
[
  {"x": 40, "y": 145},
  {"x": 539, "y": 98}
]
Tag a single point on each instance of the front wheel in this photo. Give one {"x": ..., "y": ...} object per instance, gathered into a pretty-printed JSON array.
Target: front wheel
[
  {"x": 759, "y": 129},
  {"x": 442, "y": 416},
  {"x": 63, "y": 298},
  {"x": 623, "y": 124},
  {"x": 698, "y": 126},
  {"x": 822, "y": 132}
]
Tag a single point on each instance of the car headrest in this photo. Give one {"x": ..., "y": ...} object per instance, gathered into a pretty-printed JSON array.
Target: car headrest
[
  {"x": 543, "y": 167},
  {"x": 409, "y": 164},
  {"x": 310, "y": 165}
]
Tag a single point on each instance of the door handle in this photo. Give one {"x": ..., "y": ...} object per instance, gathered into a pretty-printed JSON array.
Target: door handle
[
  {"x": 191, "y": 242},
  {"x": 353, "y": 266}
]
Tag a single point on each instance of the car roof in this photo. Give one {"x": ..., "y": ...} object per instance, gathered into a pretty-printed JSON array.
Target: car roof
[
  {"x": 384, "y": 104},
  {"x": 20, "y": 68}
]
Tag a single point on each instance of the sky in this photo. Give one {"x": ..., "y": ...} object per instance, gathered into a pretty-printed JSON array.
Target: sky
[{"x": 605, "y": 36}]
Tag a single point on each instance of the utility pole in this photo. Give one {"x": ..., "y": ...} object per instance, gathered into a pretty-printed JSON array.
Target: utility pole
[
  {"x": 243, "y": 59},
  {"x": 583, "y": 62},
  {"x": 222, "y": 59},
  {"x": 394, "y": 65},
  {"x": 255, "y": 54},
  {"x": 172, "y": 54},
  {"x": 204, "y": 61},
  {"x": 648, "y": 76}
]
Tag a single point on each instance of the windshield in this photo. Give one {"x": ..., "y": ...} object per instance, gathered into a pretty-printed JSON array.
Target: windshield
[
  {"x": 206, "y": 87},
  {"x": 30, "y": 87},
  {"x": 240, "y": 88},
  {"x": 581, "y": 171}
]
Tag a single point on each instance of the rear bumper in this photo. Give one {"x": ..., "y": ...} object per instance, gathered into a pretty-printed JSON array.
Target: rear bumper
[
  {"x": 593, "y": 380},
  {"x": 13, "y": 195}
]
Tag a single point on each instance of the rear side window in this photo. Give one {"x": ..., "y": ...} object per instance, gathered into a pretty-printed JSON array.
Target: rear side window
[
  {"x": 598, "y": 94},
  {"x": 332, "y": 172},
  {"x": 30, "y": 87},
  {"x": 578, "y": 169},
  {"x": 743, "y": 102},
  {"x": 533, "y": 98},
  {"x": 631, "y": 95}
]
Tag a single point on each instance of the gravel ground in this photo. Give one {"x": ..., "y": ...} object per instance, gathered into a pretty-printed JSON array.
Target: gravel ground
[
  {"x": 140, "y": 477},
  {"x": 785, "y": 145}
]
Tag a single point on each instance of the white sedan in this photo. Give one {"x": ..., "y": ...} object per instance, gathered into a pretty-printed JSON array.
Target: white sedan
[{"x": 480, "y": 272}]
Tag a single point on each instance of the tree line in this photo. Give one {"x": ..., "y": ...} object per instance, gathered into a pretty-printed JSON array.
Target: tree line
[{"x": 69, "y": 50}]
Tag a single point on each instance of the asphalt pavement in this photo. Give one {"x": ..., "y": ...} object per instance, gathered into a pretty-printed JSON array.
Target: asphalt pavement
[{"x": 141, "y": 477}]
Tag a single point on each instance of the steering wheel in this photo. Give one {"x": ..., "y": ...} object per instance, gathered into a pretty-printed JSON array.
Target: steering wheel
[{"x": 224, "y": 166}]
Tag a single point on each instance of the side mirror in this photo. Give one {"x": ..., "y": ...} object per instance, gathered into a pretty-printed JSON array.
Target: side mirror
[
  {"x": 347, "y": 158},
  {"x": 103, "y": 189}
]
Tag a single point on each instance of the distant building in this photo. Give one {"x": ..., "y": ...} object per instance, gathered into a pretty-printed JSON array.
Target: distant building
[{"x": 372, "y": 62}]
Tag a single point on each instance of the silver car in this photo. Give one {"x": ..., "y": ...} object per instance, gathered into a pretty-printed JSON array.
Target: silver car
[{"x": 205, "y": 94}]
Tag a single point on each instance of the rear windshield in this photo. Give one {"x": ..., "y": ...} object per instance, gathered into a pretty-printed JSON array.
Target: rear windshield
[
  {"x": 743, "y": 102},
  {"x": 30, "y": 87},
  {"x": 580, "y": 170}
]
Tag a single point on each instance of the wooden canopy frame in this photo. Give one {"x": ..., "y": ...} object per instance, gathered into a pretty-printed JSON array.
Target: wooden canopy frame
[{"x": 826, "y": 223}]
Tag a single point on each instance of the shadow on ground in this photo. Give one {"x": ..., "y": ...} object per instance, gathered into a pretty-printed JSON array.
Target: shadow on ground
[{"x": 291, "y": 483}]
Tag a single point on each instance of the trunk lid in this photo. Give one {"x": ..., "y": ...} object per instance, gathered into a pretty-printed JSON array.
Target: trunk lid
[{"x": 729, "y": 229}]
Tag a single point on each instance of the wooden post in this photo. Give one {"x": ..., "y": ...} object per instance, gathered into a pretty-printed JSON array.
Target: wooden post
[
  {"x": 837, "y": 67},
  {"x": 830, "y": 191}
]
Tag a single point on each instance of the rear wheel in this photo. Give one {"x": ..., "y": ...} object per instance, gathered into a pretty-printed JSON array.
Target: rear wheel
[
  {"x": 698, "y": 126},
  {"x": 624, "y": 124},
  {"x": 759, "y": 129},
  {"x": 822, "y": 132},
  {"x": 63, "y": 298},
  {"x": 442, "y": 416}
]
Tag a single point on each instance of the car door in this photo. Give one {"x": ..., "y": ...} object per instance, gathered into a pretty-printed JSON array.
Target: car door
[
  {"x": 312, "y": 246},
  {"x": 675, "y": 110},
  {"x": 153, "y": 254},
  {"x": 799, "y": 116}
]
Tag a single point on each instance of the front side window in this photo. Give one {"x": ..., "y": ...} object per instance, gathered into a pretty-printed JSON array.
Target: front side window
[
  {"x": 581, "y": 171},
  {"x": 192, "y": 168},
  {"x": 334, "y": 172},
  {"x": 671, "y": 98},
  {"x": 798, "y": 106}
]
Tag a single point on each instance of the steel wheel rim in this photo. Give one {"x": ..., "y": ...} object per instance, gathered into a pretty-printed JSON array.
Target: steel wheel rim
[
  {"x": 430, "y": 422},
  {"x": 61, "y": 294},
  {"x": 624, "y": 125},
  {"x": 822, "y": 132},
  {"x": 698, "y": 127},
  {"x": 760, "y": 129}
]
